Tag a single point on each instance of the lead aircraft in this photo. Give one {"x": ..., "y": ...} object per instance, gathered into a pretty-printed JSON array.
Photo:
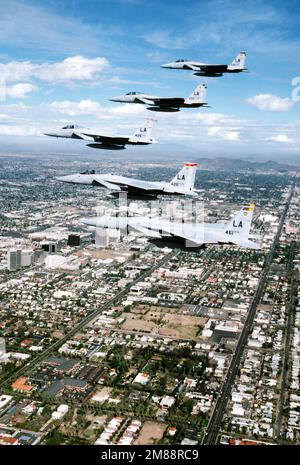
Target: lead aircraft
[{"x": 236, "y": 231}]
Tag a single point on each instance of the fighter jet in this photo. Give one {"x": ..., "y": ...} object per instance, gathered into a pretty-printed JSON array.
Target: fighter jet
[
  {"x": 181, "y": 184},
  {"x": 142, "y": 136},
  {"x": 236, "y": 231},
  {"x": 166, "y": 104},
  {"x": 210, "y": 70}
]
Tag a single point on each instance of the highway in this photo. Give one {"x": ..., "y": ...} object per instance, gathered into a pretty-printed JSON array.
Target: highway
[{"x": 212, "y": 433}]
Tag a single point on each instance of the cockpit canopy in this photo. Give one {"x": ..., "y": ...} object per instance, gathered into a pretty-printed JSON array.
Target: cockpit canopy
[
  {"x": 88, "y": 172},
  {"x": 181, "y": 61},
  {"x": 133, "y": 93},
  {"x": 71, "y": 126}
]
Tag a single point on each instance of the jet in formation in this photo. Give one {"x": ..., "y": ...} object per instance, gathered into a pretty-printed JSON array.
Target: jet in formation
[
  {"x": 165, "y": 104},
  {"x": 142, "y": 136},
  {"x": 236, "y": 231},
  {"x": 210, "y": 70},
  {"x": 181, "y": 184}
]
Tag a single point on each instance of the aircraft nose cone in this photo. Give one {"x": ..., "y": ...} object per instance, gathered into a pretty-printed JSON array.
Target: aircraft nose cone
[
  {"x": 88, "y": 221},
  {"x": 115, "y": 99},
  {"x": 62, "y": 178},
  {"x": 50, "y": 134},
  {"x": 166, "y": 65}
]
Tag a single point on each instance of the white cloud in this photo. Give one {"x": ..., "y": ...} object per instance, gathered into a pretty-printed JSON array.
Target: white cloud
[
  {"x": 209, "y": 119},
  {"x": 92, "y": 108},
  {"x": 269, "y": 102},
  {"x": 19, "y": 130},
  {"x": 127, "y": 109},
  {"x": 84, "y": 107},
  {"x": 226, "y": 134},
  {"x": 75, "y": 68},
  {"x": 281, "y": 138},
  {"x": 16, "y": 70},
  {"x": 19, "y": 90},
  {"x": 72, "y": 69}
]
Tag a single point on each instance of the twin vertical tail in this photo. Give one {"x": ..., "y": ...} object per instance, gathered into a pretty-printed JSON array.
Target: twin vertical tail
[
  {"x": 185, "y": 179},
  {"x": 238, "y": 63},
  {"x": 199, "y": 94},
  {"x": 144, "y": 133},
  {"x": 237, "y": 230}
]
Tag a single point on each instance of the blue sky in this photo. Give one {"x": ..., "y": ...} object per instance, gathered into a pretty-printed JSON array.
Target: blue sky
[{"x": 61, "y": 61}]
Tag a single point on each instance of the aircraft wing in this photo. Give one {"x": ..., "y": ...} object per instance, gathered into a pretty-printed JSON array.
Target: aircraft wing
[
  {"x": 109, "y": 140},
  {"x": 177, "y": 190},
  {"x": 80, "y": 135},
  {"x": 192, "y": 67},
  {"x": 169, "y": 228},
  {"x": 108, "y": 185},
  {"x": 139, "y": 185},
  {"x": 145, "y": 100},
  {"x": 166, "y": 102},
  {"x": 145, "y": 231},
  {"x": 213, "y": 68},
  {"x": 247, "y": 244}
]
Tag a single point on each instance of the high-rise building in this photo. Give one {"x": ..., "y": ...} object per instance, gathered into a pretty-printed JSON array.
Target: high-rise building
[
  {"x": 27, "y": 257},
  {"x": 114, "y": 236},
  {"x": 50, "y": 247},
  {"x": 39, "y": 256},
  {"x": 73, "y": 240},
  {"x": 13, "y": 259},
  {"x": 2, "y": 347},
  {"x": 104, "y": 237}
]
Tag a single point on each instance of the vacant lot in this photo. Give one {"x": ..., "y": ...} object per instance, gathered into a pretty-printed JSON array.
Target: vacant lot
[
  {"x": 164, "y": 323},
  {"x": 151, "y": 433},
  {"x": 183, "y": 326},
  {"x": 103, "y": 254},
  {"x": 133, "y": 323},
  {"x": 152, "y": 309}
]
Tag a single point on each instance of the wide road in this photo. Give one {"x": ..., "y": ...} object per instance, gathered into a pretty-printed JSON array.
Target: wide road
[
  {"x": 212, "y": 433},
  {"x": 284, "y": 380}
]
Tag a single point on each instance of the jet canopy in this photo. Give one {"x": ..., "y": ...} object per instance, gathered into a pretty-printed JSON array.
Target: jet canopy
[
  {"x": 181, "y": 61},
  {"x": 133, "y": 93},
  {"x": 71, "y": 126},
  {"x": 88, "y": 172}
]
